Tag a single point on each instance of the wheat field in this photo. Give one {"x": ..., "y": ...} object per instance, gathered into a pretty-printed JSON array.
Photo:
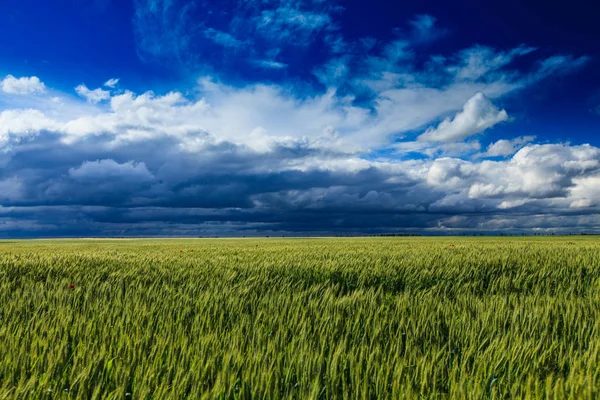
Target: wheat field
[{"x": 319, "y": 318}]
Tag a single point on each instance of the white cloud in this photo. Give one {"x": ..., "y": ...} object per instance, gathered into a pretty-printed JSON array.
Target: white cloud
[
  {"x": 223, "y": 38},
  {"x": 270, "y": 64},
  {"x": 506, "y": 204},
  {"x": 478, "y": 61},
  {"x": 585, "y": 191},
  {"x": 290, "y": 23},
  {"x": 22, "y": 86},
  {"x": 92, "y": 96},
  {"x": 266, "y": 116},
  {"x": 257, "y": 116},
  {"x": 111, "y": 83},
  {"x": 543, "y": 178},
  {"x": 580, "y": 203},
  {"x": 225, "y": 113},
  {"x": 480, "y": 190},
  {"x": 18, "y": 124},
  {"x": 477, "y": 115},
  {"x": 407, "y": 97},
  {"x": 449, "y": 172},
  {"x": 503, "y": 147},
  {"x": 539, "y": 171}
]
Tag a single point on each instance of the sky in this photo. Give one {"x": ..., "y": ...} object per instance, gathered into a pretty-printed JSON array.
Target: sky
[{"x": 294, "y": 118}]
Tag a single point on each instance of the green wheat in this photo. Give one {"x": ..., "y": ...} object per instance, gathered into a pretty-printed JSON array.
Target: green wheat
[{"x": 370, "y": 318}]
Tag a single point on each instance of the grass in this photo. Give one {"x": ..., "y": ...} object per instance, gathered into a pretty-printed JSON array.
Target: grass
[{"x": 301, "y": 318}]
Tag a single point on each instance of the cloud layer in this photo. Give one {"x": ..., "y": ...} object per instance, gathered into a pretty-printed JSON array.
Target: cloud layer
[{"x": 381, "y": 138}]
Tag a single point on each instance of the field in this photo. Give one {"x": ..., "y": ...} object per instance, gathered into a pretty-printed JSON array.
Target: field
[{"x": 301, "y": 318}]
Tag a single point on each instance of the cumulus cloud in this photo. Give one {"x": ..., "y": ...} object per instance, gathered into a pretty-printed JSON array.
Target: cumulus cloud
[
  {"x": 585, "y": 191},
  {"x": 477, "y": 115},
  {"x": 260, "y": 117},
  {"x": 540, "y": 171},
  {"x": 18, "y": 125},
  {"x": 22, "y": 86},
  {"x": 18, "y": 122},
  {"x": 92, "y": 96},
  {"x": 503, "y": 147}
]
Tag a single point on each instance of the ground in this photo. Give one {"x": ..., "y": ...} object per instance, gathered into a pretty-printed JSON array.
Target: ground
[{"x": 300, "y": 318}]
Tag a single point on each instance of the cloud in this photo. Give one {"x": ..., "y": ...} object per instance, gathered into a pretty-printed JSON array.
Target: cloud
[
  {"x": 101, "y": 182},
  {"x": 270, "y": 64},
  {"x": 425, "y": 29},
  {"x": 19, "y": 125},
  {"x": 110, "y": 170},
  {"x": 477, "y": 61},
  {"x": 111, "y": 83},
  {"x": 541, "y": 171},
  {"x": 223, "y": 38},
  {"x": 341, "y": 195},
  {"x": 580, "y": 203},
  {"x": 24, "y": 122},
  {"x": 408, "y": 96},
  {"x": 258, "y": 116},
  {"x": 262, "y": 117},
  {"x": 334, "y": 73},
  {"x": 164, "y": 30},
  {"x": 22, "y": 86},
  {"x": 92, "y": 96},
  {"x": 503, "y": 147},
  {"x": 291, "y": 24},
  {"x": 435, "y": 150},
  {"x": 477, "y": 115},
  {"x": 289, "y": 155},
  {"x": 585, "y": 192},
  {"x": 561, "y": 64},
  {"x": 175, "y": 34}
]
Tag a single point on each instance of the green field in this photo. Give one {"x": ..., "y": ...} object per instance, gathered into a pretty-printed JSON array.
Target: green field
[{"x": 301, "y": 318}]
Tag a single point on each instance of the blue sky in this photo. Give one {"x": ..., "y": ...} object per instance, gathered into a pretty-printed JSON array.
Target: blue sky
[{"x": 279, "y": 117}]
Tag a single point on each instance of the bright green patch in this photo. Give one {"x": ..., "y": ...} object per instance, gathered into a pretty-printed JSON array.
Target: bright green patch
[{"x": 301, "y": 318}]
